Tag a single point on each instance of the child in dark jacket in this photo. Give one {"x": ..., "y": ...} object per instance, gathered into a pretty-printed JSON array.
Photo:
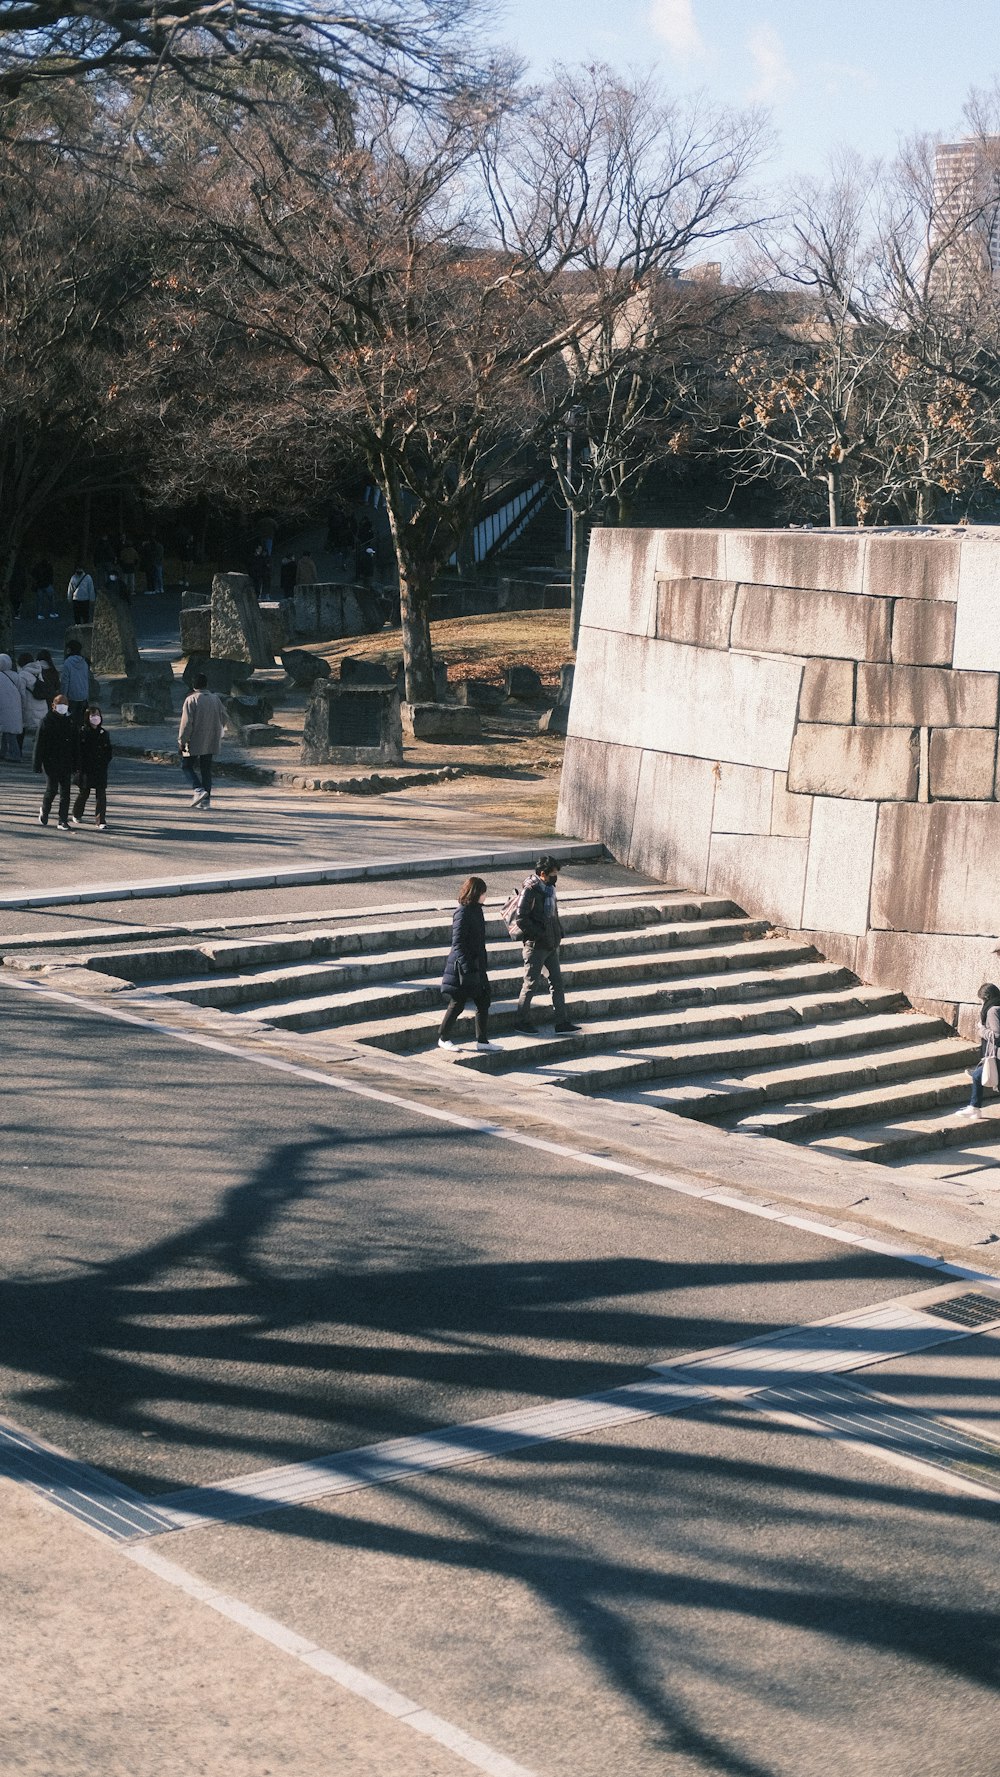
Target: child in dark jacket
[
  {"x": 95, "y": 757},
  {"x": 57, "y": 753}
]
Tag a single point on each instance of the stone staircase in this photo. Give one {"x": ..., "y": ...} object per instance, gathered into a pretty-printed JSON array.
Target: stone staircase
[{"x": 686, "y": 1006}]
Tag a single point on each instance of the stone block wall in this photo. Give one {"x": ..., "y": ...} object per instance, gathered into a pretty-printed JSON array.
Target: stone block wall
[{"x": 805, "y": 721}]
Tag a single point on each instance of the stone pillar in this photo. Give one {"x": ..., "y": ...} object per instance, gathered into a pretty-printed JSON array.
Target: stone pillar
[
  {"x": 114, "y": 649},
  {"x": 239, "y": 631}
]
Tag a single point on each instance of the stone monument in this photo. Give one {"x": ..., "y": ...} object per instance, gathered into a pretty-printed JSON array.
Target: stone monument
[
  {"x": 114, "y": 651},
  {"x": 352, "y": 725},
  {"x": 238, "y": 630}
]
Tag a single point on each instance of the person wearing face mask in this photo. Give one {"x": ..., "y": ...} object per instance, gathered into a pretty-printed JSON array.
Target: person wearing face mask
[
  {"x": 57, "y": 754},
  {"x": 95, "y": 757}
]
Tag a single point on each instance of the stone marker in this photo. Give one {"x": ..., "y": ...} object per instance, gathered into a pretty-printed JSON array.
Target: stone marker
[
  {"x": 352, "y": 725},
  {"x": 146, "y": 696},
  {"x": 114, "y": 649},
  {"x": 239, "y": 630},
  {"x": 555, "y": 721},
  {"x": 304, "y": 668},
  {"x": 196, "y": 629},
  {"x": 364, "y": 672},
  {"x": 524, "y": 684},
  {"x": 223, "y": 676},
  {"x": 248, "y": 709},
  {"x": 440, "y": 721},
  {"x": 478, "y": 695}
]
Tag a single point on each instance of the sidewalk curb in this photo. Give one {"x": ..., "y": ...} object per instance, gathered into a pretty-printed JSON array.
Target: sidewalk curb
[
  {"x": 567, "y": 852},
  {"x": 370, "y": 783}
]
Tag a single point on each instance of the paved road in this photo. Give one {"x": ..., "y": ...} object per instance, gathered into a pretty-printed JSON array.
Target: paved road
[{"x": 210, "y": 1268}]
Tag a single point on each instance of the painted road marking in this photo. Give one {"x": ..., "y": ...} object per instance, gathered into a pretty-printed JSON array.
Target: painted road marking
[
  {"x": 515, "y": 1137},
  {"x": 115, "y": 1510}
]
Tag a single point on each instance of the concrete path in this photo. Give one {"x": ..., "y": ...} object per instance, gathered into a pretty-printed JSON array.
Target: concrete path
[{"x": 213, "y": 1268}]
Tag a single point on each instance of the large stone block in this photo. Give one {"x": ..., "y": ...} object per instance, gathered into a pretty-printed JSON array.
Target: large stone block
[
  {"x": 743, "y": 799},
  {"x": 700, "y": 702},
  {"x": 935, "y": 868},
  {"x": 597, "y": 793},
  {"x": 776, "y": 620},
  {"x": 114, "y": 649},
  {"x": 146, "y": 696},
  {"x": 304, "y": 668},
  {"x": 766, "y": 876},
  {"x": 791, "y": 815},
  {"x": 923, "y": 632},
  {"x": 223, "y": 675},
  {"x": 196, "y": 629},
  {"x": 928, "y": 965},
  {"x": 839, "y": 872},
  {"x": 827, "y": 691},
  {"x": 440, "y": 721},
  {"x": 921, "y": 565},
  {"x": 619, "y": 589},
  {"x": 822, "y": 561},
  {"x": 926, "y": 697},
  {"x": 962, "y": 764},
  {"x": 353, "y": 725},
  {"x": 480, "y": 695},
  {"x": 687, "y": 554},
  {"x": 868, "y": 764},
  {"x": 672, "y": 826},
  {"x": 977, "y": 627},
  {"x": 696, "y": 611},
  {"x": 239, "y": 631}
]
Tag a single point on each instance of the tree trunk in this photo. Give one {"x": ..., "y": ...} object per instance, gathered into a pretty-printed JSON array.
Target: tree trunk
[
  {"x": 926, "y": 504},
  {"x": 834, "y": 496},
  {"x": 414, "y": 615},
  {"x": 577, "y": 562}
]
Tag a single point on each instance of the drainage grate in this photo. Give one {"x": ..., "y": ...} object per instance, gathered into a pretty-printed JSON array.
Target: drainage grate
[{"x": 971, "y": 1310}]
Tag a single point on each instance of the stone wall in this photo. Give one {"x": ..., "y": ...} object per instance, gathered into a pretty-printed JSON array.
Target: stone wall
[{"x": 805, "y": 721}]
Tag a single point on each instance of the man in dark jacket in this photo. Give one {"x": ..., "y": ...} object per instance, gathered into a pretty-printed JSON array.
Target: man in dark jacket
[
  {"x": 57, "y": 754},
  {"x": 541, "y": 935}
]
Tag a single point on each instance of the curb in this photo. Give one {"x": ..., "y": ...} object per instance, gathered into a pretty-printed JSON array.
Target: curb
[
  {"x": 372, "y": 783},
  {"x": 567, "y": 852}
]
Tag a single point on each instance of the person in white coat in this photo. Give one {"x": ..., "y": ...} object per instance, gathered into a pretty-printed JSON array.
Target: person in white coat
[
  {"x": 11, "y": 712},
  {"x": 34, "y": 703}
]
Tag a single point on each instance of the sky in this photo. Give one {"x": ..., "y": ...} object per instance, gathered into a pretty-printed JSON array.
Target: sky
[{"x": 832, "y": 73}]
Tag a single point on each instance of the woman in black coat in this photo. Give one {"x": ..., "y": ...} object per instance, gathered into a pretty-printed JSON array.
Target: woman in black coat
[
  {"x": 57, "y": 754},
  {"x": 465, "y": 972},
  {"x": 95, "y": 757}
]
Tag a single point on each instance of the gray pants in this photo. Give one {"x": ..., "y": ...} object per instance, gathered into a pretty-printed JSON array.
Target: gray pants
[{"x": 539, "y": 960}]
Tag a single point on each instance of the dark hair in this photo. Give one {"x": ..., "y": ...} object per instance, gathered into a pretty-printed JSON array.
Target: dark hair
[
  {"x": 43, "y": 654},
  {"x": 72, "y": 646},
  {"x": 200, "y": 681},
  {"x": 471, "y": 889},
  {"x": 24, "y": 659},
  {"x": 545, "y": 864},
  {"x": 989, "y": 993},
  {"x": 94, "y": 709}
]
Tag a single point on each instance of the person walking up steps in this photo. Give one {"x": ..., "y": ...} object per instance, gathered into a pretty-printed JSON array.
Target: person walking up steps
[
  {"x": 199, "y": 737},
  {"x": 541, "y": 934},
  {"x": 57, "y": 754},
  {"x": 989, "y": 1037},
  {"x": 95, "y": 757},
  {"x": 465, "y": 972}
]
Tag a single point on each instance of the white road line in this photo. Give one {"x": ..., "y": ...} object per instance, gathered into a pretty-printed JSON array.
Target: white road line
[
  {"x": 497, "y": 1132},
  {"x": 318, "y": 1659}
]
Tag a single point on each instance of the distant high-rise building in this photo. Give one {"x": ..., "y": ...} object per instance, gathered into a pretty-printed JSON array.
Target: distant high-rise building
[{"x": 967, "y": 205}]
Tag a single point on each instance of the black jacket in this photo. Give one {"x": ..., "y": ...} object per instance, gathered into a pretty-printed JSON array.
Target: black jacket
[
  {"x": 531, "y": 914},
  {"x": 57, "y": 746},
  {"x": 95, "y": 753},
  {"x": 465, "y": 969}
]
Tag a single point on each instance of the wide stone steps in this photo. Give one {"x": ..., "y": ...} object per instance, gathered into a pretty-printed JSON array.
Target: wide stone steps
[
  {"x": 632, "y": 1075},
  {"x": 907, "y": 1137},
  {"x": 795, "y": 1120},
  {"x": 356, "y": 978},
  {"x": 410, "y": 1012},
  {"x": 725, "y": 1099}
]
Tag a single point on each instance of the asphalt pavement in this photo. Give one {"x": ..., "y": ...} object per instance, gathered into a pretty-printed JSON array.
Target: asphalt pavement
[{"x": 212, "y": 1268}]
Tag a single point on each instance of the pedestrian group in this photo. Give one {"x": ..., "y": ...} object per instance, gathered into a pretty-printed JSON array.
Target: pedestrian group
[{"x": 531, "y": 915}]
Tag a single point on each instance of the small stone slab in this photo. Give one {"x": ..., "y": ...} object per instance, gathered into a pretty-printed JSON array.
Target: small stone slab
[
  {"x": 365, "y": 672},
  {"x": 477, "y": 694},
  {"x": 523, "y": 683},
  {"x": 304, "y": 668},
  {"x": 555, "y": 721},
  {"x": 352, "y": 725},
  {"x": 223, "y": 676},
  {"x": 440, "y": 721}
]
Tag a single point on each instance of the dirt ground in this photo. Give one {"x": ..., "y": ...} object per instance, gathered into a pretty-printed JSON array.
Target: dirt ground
[{"x": 476, "y": 647}]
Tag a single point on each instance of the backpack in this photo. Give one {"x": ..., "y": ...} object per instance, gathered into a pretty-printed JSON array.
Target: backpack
[{"x": 509, "y": 913}]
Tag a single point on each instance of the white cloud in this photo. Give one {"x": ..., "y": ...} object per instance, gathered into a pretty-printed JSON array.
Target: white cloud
[
  {"x": 674, "y": 22},
  {"x": 775, "y": 78}
]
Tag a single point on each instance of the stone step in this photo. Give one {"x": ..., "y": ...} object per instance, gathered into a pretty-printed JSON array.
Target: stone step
[
  {"x": 780, "y": 1012},
  {"x": 618, "y": 1008},
  {"x": 718, "y": 1098},
  {"x": 255, "y": 987},
  {"x": 909, "y": 1136},
  {"x": 173, "y": 961},
  {"x": 794, "y": 1121},
  {"x": 628, "y": 1075}
]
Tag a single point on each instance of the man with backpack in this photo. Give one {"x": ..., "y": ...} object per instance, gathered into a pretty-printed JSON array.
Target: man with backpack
[{"x": 535, "y": 920}]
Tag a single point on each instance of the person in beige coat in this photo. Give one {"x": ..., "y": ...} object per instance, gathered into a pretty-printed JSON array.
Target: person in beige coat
[{"x": 199, "y": 737}]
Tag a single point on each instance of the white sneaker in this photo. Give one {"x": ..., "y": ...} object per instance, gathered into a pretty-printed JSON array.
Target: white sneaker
[
  {"x": 74, "y": 821},
  {"x": 443, "y": 1043},
  {"x": 487, "y": 1045},
  {"x": 968, "y": 1113},
  {"x": 102, "y": 826},
  {"x": 198, "y": 798}
]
